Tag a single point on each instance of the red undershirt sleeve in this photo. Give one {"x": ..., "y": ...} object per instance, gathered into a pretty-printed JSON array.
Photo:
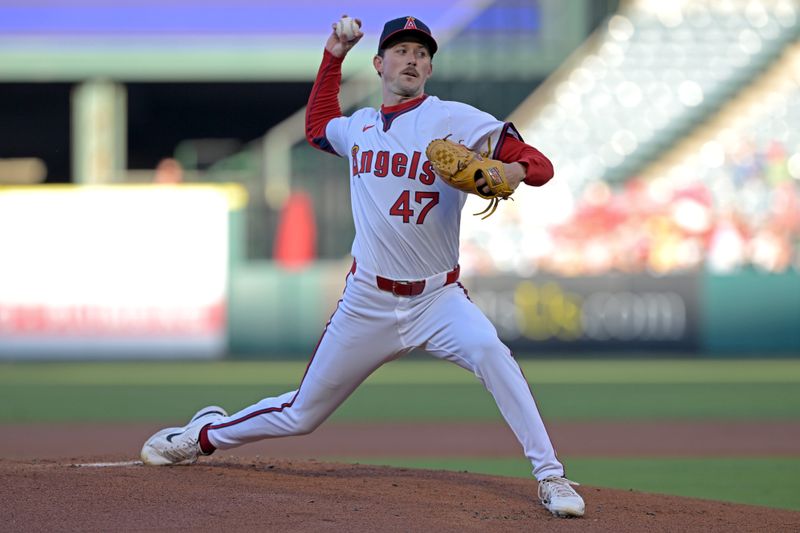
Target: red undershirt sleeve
[
  {"x": 538, "y": 168},
  {"x": 323, "y": 103}
]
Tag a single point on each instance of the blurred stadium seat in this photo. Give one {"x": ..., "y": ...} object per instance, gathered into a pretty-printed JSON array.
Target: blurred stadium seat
[
  {"x": 647, "y": 81},
  {"x": 647, "y": 77}
]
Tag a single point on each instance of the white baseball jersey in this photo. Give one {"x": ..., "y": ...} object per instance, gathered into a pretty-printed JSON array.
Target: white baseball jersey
[{"x": 407, "y": 220}]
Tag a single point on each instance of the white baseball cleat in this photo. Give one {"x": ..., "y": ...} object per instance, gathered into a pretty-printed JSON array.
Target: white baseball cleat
[
  {"x": 180, "y": 446},
  {"x": 560, "y": 498}
]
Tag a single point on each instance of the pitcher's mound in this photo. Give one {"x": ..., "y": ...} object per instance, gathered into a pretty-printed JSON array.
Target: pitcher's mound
[{"x": 235, "y": 494}]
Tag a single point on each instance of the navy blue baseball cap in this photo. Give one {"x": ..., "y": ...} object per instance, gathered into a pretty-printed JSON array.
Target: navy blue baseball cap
[{"x": 395, "y": 29}]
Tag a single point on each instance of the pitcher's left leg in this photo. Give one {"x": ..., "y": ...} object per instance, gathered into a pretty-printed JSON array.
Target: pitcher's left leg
[{"x": 460, "y": 333}]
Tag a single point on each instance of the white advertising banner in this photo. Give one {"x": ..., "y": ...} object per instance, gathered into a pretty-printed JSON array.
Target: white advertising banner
[{"x": 113, "y": 271}]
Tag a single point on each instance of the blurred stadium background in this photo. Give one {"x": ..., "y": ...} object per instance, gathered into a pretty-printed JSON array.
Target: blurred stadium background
[
  {"x": 158, "y": 199},
  {"x": 158, "y": 202}
]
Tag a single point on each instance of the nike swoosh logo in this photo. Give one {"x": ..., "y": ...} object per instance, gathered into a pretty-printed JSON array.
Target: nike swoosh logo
[
  {"x": 365, "y": 128},
  {"x": 206, "y": 414},
  {"x": 172, "y": 435}
]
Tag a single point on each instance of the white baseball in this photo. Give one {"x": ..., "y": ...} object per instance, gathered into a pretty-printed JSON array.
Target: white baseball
[{"x": 348, "y": 28}]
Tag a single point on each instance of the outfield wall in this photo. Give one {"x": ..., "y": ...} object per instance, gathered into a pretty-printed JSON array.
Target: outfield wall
[
  {"x": 160, "y": 272},
  {"x": 273, "y": 311},
  {"x": 751, "y": 312}
]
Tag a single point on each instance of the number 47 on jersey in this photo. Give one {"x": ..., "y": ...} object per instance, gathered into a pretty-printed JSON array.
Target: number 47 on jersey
[{"x": 423, "y": 201}]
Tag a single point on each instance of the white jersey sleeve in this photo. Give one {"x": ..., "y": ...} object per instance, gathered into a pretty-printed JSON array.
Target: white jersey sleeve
[
  {"x": 476, "y": 129},
  {"x": 338, "y": 130}
]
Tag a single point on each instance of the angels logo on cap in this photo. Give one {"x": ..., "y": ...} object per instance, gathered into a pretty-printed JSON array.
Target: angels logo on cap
[{"x": 407, "y": 27}]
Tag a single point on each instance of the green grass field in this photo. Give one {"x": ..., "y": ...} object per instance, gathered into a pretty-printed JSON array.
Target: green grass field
[{"x": 745, "y": 390}]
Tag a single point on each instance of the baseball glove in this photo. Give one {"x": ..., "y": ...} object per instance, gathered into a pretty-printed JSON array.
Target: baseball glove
[{"x": 460, "y": 167}]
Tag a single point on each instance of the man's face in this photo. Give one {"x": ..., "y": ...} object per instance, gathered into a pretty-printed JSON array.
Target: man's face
[{"x": 404, "y": 68}]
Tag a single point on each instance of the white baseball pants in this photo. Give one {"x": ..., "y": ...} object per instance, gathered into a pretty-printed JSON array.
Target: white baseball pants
[{"x": 371, "y": 327}]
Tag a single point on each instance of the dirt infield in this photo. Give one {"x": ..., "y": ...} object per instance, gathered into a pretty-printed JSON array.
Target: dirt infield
[
  {"x": 84, "y": 477},
  {"x": 233, "y": 494},
  {"x": 397, "y": 439}
]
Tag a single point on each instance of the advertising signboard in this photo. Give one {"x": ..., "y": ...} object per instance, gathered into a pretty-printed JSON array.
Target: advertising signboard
[
  {"x": 108, "y": 272},
  {"x": 631, "y": 312}
]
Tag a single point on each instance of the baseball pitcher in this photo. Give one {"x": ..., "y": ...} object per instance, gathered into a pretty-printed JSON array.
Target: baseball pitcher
[{"x": 412, "y": 163}]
